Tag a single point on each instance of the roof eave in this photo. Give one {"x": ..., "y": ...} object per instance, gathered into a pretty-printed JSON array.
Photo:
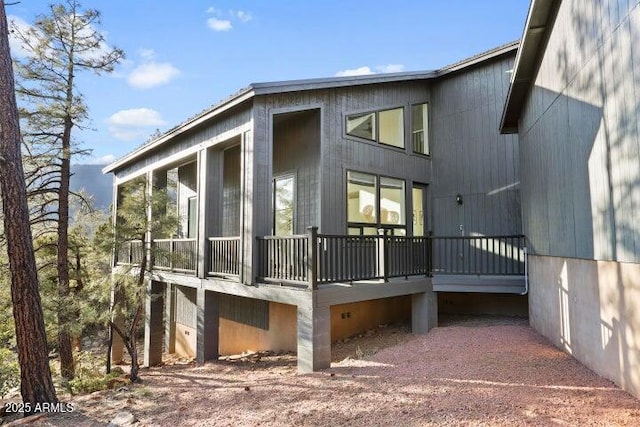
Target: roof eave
[
  {"x": 268, "y": 88},
  {"x": 540, "y": 20},
  {"x": 234, "y": 101}
]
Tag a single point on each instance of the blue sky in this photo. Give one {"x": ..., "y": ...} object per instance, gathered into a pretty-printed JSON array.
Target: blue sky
[{"x": 183, "y": 57}]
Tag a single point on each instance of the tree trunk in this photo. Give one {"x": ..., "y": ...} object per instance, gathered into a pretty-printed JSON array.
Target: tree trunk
[
  {"x": 67, "y": 368},
  {"x": 35, "y": 375}
]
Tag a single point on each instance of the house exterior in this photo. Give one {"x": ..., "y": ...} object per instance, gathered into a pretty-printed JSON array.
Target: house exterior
[
  {"x": 574, "y": 104},
  {"x": 313, "y": 210}
]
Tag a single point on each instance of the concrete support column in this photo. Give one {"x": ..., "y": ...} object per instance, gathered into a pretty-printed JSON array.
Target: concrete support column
[
  {"x": 117, "y": 345},
  {"x": 207, "y": 336},
  {"x": 424, "y": 312},
  {"x": 169, "y": 318},
  {"x": 154, "y": 325},
  {"x": 314, "y": 338}
]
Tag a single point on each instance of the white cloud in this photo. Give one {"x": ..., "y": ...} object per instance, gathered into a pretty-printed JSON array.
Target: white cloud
[
  {"x": 223, "y": 21},
  {"x": 366, "y": 70},
  {"x": 17, "y": 46},
  {"x": 390, "y": 68},
  {"x": 127, "y": 125},
  {"x": 219, "y": 24},
  {"x": 104, "y": 160},
  {"x": 362, "y": 71},
  {"x": 147, "y": 54},
  {"x": 152, "y": 74},
  {"x": 23, "y": 34},
  {"x": 244, "y": 16}
]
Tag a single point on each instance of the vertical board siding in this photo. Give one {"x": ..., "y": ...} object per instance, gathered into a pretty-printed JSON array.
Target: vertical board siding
[
  {"x": 338, "y": 153},
  {"x": 221, "y": 124},
  {"x": 186, "y": 307},
  {"x": 248, "y": 311},
  {"x": 469, "y": 155},
  {"x": 580, "y": 139},
  {"x": 231, "y": 192},
  {"x": 296, "y": 149},
  {"x": 187, "y": 188}
]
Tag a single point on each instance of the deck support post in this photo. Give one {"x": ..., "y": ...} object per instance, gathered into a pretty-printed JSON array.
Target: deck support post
[
  {"x": 169, "y": 318},
  {"x": 154, "y": 324},
  {"x": 207, "y": 334},
  {"x": 424, "y": 311},
  {"x": 312, "y": 254},
  {"x": 314, "y": 337}
]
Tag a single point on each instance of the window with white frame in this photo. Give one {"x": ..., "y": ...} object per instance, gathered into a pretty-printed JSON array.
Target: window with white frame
[
  {"x": 283, "y": 205},
  {"x": 420, "y": 128}
]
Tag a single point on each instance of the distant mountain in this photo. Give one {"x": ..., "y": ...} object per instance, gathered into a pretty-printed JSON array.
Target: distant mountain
[{"x": 89, "y": 178}]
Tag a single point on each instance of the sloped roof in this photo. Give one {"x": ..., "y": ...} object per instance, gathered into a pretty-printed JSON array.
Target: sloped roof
[{"x": 268, "y": 88}]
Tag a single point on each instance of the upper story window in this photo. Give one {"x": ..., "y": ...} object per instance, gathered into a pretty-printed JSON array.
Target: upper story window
[
  {"x": 385, "y": 126},
  {"x": 420, "y": 128}
]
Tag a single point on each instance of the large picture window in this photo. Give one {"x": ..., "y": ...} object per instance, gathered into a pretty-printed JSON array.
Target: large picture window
[
  {"x": 420, "y": 128},
  {"x": 375, "y": 202},
  {"x": 385, "y": 126}
]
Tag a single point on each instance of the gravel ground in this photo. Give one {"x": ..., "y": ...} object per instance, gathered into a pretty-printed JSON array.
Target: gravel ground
[{"x": 467, "y": 372}]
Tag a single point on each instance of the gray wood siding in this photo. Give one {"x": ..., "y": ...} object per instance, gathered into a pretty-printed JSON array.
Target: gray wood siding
[
  {"x": 579, "y": 136},
  {"x": 186, "y": 307},
  {"x": 339, "y": 153},
  {"x": 221, "y": 124},
  {"x": 187, "y": 188},
  {"x": 231, "y": 192},
  {"x": 469, "y": 155},
  {"x": 296, "y": 150}
]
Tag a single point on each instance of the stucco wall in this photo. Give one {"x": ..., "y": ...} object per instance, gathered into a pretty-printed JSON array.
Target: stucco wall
[
  {"x": 591, "y": 309},
  {"x": 350, "y": 319}
]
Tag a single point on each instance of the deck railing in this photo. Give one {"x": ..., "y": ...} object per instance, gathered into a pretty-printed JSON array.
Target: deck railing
[
  {"x": 130, "y": 253},
  {"x": 175, "y": 255},
  {"x": 482, "y": 255},
  {"x": 224, "y": 256},
  {"x": 313, "y": 258},
  {"x": 285, "y": 259}
]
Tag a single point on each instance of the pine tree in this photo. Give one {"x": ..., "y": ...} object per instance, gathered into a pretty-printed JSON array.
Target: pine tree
[
  {"x": 35, "y": 375},
  {"x": 135, "y": 224},
  {"x": 59, "y": 45}
]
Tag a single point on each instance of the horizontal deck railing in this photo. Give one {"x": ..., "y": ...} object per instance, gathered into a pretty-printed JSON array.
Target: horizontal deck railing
[
  {"x": 224, "y": 256},
  {"x": 175, "y": 255},
  {"x": 480, "y": 255}
]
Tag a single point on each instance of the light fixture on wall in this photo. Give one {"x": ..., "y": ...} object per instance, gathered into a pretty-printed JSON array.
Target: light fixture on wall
[{"x": 459, "y": 199}]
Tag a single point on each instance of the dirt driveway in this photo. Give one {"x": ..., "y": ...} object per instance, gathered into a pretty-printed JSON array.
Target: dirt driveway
[{"x": 466, "y": 374}]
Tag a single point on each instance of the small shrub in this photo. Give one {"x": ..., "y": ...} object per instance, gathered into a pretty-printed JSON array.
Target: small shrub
[
  {"x": 88, "y": 382},
  {"x": 9, "y": 371},
  {"x": 90, "y": 376}
]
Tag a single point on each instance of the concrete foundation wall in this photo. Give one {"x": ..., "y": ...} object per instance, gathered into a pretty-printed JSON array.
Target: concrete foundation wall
[
  {"x": 350, "y": 319},
  {"x": 281, "y": 336},
  {"x": 591, "y": 309}
]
